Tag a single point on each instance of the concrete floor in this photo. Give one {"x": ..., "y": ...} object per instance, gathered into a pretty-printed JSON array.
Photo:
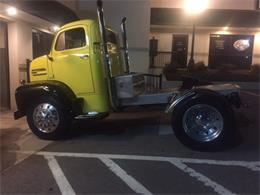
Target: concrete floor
[{"x": 133, "y": 152}]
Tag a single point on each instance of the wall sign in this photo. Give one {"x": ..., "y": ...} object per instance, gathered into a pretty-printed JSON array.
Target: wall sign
[{"x": 231, "y": 50}]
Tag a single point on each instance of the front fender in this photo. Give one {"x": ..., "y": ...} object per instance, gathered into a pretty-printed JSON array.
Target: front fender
[
  {"x": 28, "y": 93},
  {"x": 177, "y": 99}
]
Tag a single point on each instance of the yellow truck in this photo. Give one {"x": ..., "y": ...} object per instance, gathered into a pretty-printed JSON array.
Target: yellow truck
[{"x": 85, "y": 77}]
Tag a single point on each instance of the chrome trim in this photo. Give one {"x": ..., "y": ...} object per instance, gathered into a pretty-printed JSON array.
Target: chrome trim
[
  {"x": 203, "y": 123},
  {"x": 102, "y": 27},
  {"x": 125, "y": 45},
  {"x": 177, "y": 99},
  {"x": 92, "y": 115},
  {"x": 46, "y": 118}
]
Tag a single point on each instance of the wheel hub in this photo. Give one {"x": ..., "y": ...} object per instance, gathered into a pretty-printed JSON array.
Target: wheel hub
[
  {"x": 203, "y": 122},
  {"x": 46, "y": 118}
]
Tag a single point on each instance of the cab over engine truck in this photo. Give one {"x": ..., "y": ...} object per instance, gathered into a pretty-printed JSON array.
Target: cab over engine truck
[{"x": 84, "y": 77}]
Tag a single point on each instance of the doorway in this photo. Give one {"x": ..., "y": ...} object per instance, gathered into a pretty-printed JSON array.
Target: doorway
[
  {"x": 179, "y": 50},
  {"x": 4, "y": 68}
]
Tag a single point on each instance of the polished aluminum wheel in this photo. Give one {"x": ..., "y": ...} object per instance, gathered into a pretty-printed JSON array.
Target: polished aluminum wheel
[
  {"x": 203, "y": 122},
  {"x": 46, "y": 118}
]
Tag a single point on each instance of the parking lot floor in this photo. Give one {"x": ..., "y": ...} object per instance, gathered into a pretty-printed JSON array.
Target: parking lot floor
[{"x": 131, "y": 152}]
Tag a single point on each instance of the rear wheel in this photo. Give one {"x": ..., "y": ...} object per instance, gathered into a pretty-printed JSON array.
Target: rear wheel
[
  {"x": 48, "y": 119},
  {"x": 204, "y": 124}
]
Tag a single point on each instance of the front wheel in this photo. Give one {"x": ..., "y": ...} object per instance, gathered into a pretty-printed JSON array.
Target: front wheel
[
  {"x": 48, "y": 119},
  {"x": 204, "y": 124}
]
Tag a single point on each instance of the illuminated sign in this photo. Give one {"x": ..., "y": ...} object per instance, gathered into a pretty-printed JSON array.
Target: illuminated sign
[
  {"x": 231, "y": 49},
  {"x": 241, "y": 44}
]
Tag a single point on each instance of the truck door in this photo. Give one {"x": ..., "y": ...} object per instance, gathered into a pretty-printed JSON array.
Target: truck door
[{"x": 71, "y": 59}]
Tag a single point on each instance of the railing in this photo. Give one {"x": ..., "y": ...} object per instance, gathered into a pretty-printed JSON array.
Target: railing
[
  {"x": 153, "y": 83},
  {"x": 161, "y": 59}
]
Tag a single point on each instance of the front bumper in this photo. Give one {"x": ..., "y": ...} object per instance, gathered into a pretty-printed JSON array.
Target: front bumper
[{"x": 18, "y": 115}]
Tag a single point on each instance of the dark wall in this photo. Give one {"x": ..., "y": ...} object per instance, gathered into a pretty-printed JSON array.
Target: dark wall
[
  {"x": 50, "y": 10},
  {"x": 211, "y": 17},
  {"x": 4, "y": 68}
]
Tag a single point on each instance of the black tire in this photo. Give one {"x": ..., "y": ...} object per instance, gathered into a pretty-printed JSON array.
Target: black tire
[
  {"x": 221, "y": 141},
  {"x": 59, "y": 114}
]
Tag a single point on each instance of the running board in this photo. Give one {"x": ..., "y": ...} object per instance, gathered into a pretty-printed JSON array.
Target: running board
[{"x": 92, "y": 116}]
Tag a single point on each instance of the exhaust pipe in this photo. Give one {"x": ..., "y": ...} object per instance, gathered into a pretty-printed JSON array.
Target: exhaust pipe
[
  {"x": 102, "y": 26},
  {"x": 125, "y": 45}
]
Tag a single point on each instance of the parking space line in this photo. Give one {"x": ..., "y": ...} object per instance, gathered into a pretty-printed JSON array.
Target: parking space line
[
  {"x": 123, "y": 175},
  {"x": 137, "y": 187},
  {"x": 250, "y": 93},
  {"x": 202, "y": 178},
  {"x": 61, "y": 180},
  {"x": 252, "y": 165}
]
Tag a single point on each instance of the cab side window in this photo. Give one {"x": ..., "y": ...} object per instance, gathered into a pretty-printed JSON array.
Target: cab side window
[
  {"x": 71, "y": 39},
  {"x": 111, "y": 37}
]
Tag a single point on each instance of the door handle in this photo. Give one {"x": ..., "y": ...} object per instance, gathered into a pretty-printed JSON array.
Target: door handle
[{"x": 84, "y": 56}]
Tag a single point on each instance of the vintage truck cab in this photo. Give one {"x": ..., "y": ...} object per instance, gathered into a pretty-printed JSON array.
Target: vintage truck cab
[
  {"x": 75, "y": 61},
  {"x": 84, "y": 77}
]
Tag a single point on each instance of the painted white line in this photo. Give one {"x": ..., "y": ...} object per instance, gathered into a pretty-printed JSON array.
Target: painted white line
[
  {"x": 165, "y": 130},
  {"x": 202, "y": 178},
  {"x": 128, "y": 179},
  {"x": 61, "y": 180},
  {"x": 250, "y": 93},
  {"x": 252, "y": 165}
]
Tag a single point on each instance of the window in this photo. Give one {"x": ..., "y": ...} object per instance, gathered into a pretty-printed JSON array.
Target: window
[
  {"x": 71, "y": 39},
  {"x": 111, "y": 37},
  {"x": 41, "y": 43}
]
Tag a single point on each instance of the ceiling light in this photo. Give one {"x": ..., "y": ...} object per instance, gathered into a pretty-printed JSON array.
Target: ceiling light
[
  {"x": 55, "y": 28},
  {"x": 225, "y": 28},
  {"x": 11, "y": 11},
  {"x": 195, "y": 6}
]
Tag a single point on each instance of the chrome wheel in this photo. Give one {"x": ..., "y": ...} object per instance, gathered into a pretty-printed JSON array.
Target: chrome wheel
[
  {"x": 203, "y": 122},
  {"x": 46, "y": 118}
]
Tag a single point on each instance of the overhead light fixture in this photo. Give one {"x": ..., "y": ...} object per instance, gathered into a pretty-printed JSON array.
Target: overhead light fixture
[
  {"x": 55, "y": 28},
  {"x": 195, "y": 7},
  {"x": 225, "y": 28},
  {"x": 11, "y": 11}
]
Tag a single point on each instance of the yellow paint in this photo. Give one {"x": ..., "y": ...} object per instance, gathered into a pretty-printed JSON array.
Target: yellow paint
[{"x": 87, "y": 77}]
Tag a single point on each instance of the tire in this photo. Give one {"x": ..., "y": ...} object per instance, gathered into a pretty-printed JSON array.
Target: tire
[
  {"x": 204, "y": 124},
  {"x": 48, "y": 119}
]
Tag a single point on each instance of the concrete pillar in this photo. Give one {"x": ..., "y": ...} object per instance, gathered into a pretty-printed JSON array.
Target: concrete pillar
[{"x": 20, "y": 49}]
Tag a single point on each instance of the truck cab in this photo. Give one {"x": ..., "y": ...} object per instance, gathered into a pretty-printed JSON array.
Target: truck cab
[{"x": 76, "y": 61}]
